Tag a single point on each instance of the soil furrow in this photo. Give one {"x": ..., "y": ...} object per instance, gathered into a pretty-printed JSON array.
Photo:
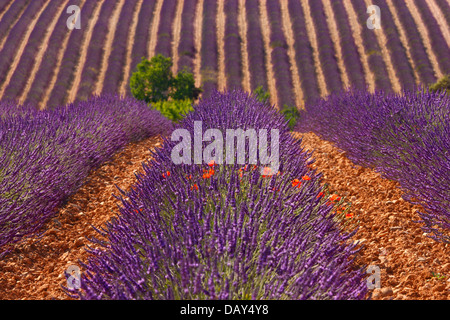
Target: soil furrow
[
  {"x": 198, "y": 42},
  {"x": 154, "y": 29},
  {"x": 443, "y": 25},
  {"x": 244, "y": 47},
  {"x": 220, "y": 20},
  {"x": 176, "y": 35}
]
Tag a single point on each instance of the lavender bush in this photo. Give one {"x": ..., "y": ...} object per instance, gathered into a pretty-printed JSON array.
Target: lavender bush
[
  {"x": 231, "y": 235},
  {"x": 45, "y": 156},
  {"x": 400, "y": 61},
  {"x": 11, "y": 16},
  {"x": 404, "y": 137}
]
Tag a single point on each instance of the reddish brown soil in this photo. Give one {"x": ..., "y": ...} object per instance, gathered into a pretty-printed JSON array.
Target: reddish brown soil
[{"x": 406, "y": 257}]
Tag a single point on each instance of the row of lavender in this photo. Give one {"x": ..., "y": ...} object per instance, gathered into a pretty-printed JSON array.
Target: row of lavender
[
  {"x": 229, "y": 233},
  {"x": 405, "y": 137},
  {"x": 46, "y": 155}
]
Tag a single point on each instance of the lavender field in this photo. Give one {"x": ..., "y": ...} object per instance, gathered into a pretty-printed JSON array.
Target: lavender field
[{"x": 194, "y": 232}]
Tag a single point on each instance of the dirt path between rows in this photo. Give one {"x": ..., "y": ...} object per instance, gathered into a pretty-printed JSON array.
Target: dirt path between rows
[
  {"x": 265, "y": 30},
  {"x": 176, "y": 35},
  {"x": 336, "y": 40},
  {"x": 443, "y": 26},
  {"x": 413, "y": 266},
  {"x": 243, "y": 27},
  {"x": 35, "y": 268},
  {"x": 154, "y": 29},
  {"x": 220, "y": 21},
  {"x": 198, "y": 25}
]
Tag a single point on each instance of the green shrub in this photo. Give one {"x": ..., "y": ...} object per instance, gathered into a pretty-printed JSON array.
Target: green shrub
[
  {"x": 442, "y": 84},
  {"x": 153, "y": 81},
  {"x": 261, "y": 94},
  {"x": 291, "y": 114},
  {"x": 174, "y": 110}
]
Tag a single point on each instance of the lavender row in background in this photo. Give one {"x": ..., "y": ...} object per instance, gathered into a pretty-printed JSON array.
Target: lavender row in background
[
  {"x": 255, "y": 47},
  {"x": 9, "y": 51},
  {"x": 350, "y": 54},
  {"x": 404, "y": 137},
  {"x": 415, "y": 43},
  {"x": 70, "y": 58},
  {"x": 438, "y": 44},
  {"x": 403, "y": 68},
  {"x": 61, "y": 146},
  {"x": 10, "y": 16},
  {"x": 165, "y": 30},
  {"x": 115, "y": 72},
  {"x": 186, "y": 46},
  {"x": 232, "y": 45},
  {"x": 141, "y": 38},
  {"x": 445, "y": 8},
  {"x": 27, "y": 60},
  {"x": 209, "y": 52},
  {"x": 47, "y": 68},
  {"x": 372, "y": 48},
  {"x": 327, "y": 55},
  {"x": 279, "y": 57},
  {"x": 96, "y": 52},
  {"x": 303, "y": 53}
]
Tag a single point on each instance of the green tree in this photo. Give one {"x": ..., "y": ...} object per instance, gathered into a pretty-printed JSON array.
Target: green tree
[
  {"x": 183, "y": 86},
  {"x": 154, "y": 81}
]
